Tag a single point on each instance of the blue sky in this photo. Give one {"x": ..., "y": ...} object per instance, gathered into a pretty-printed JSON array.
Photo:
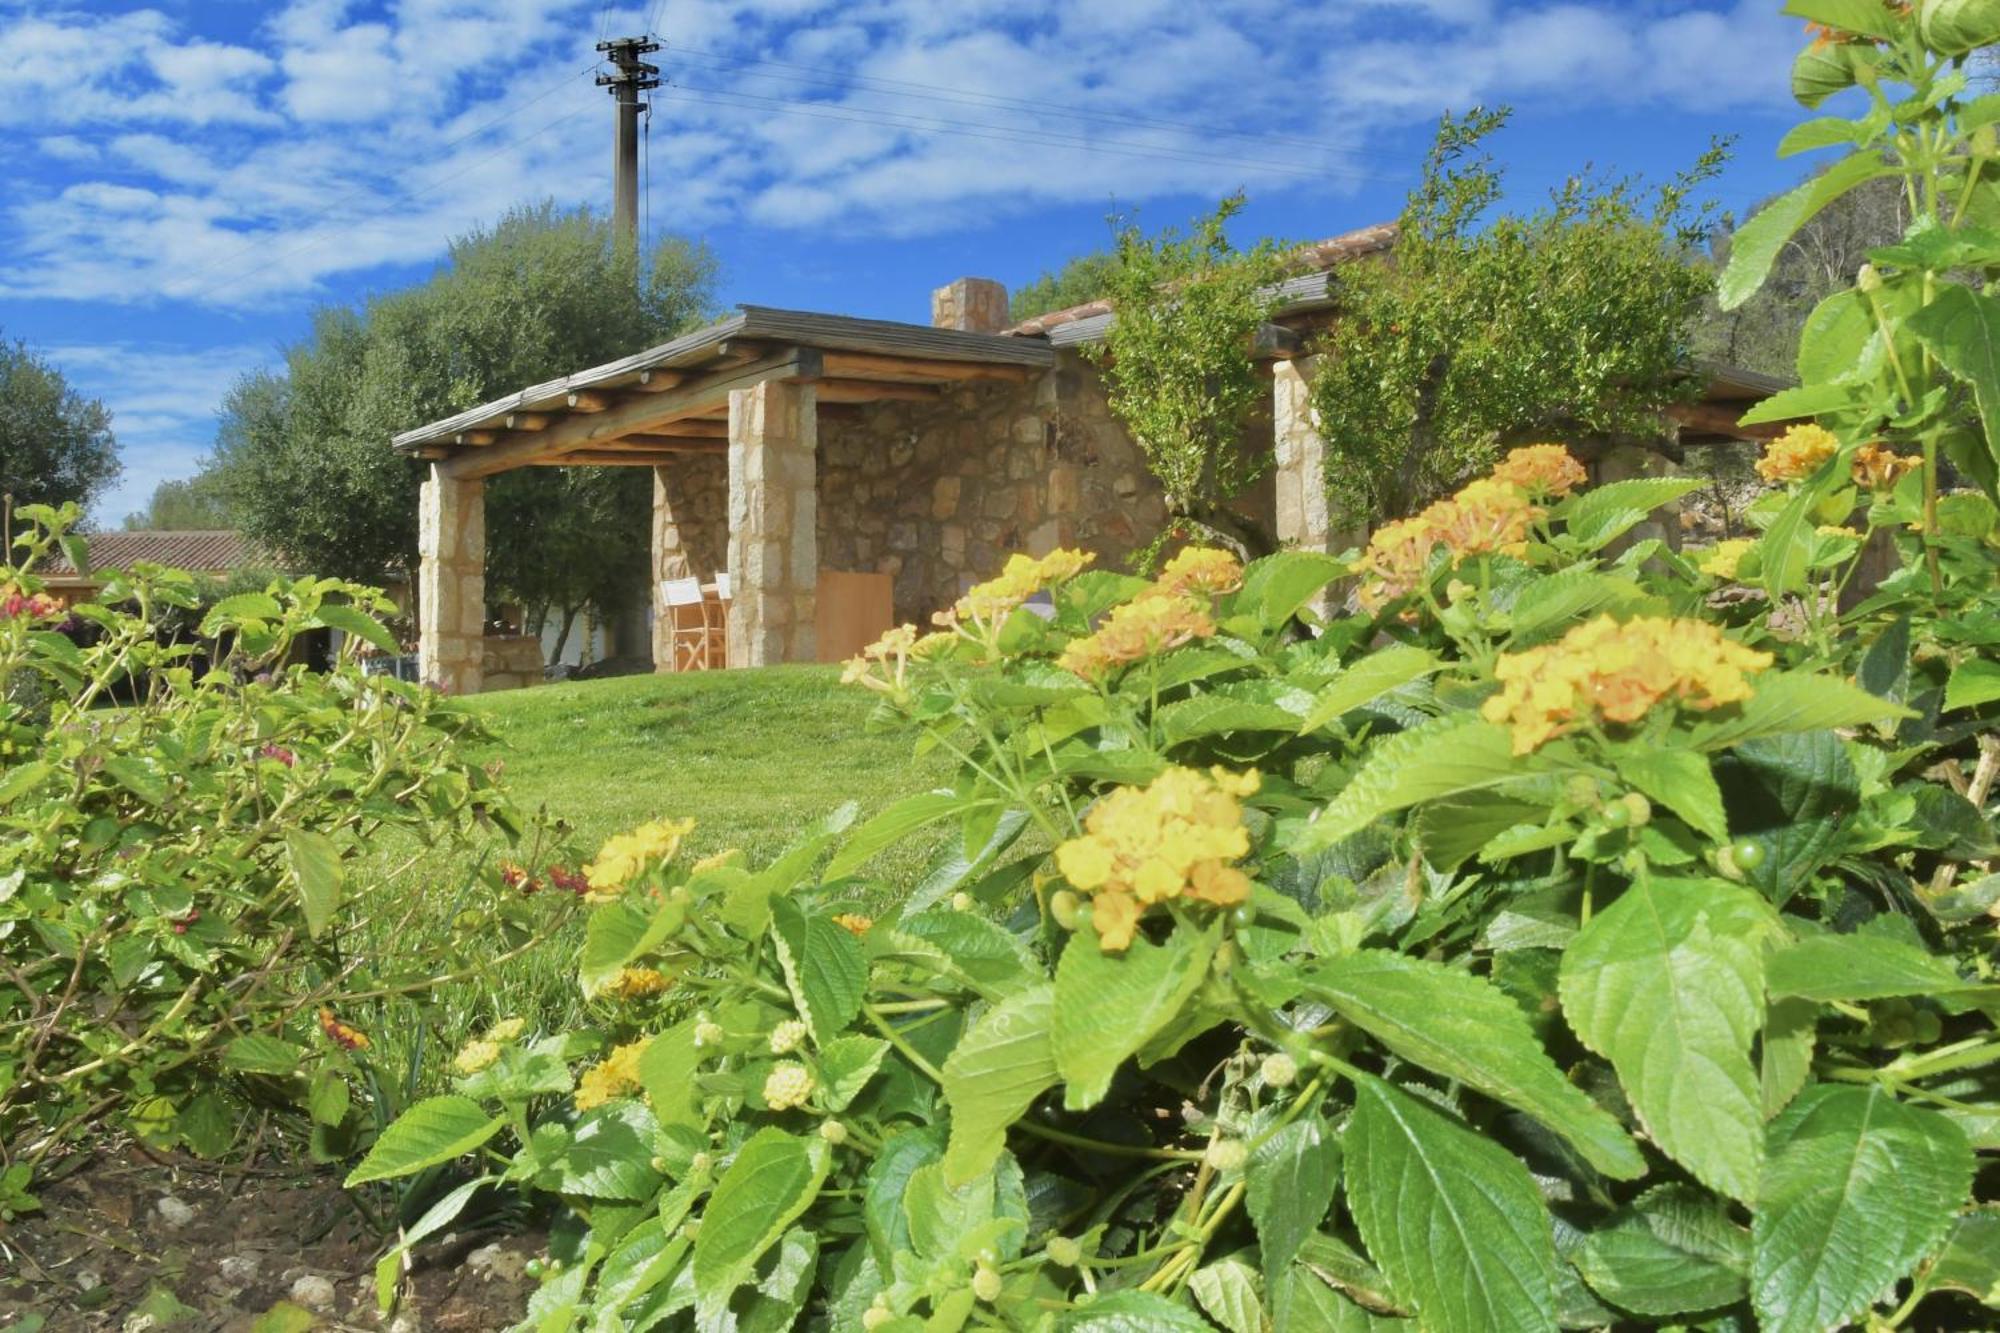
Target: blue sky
[{"x": 187, "y": 179}]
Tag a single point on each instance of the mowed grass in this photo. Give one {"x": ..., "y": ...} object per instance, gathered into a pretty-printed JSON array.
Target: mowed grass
[{"x": 753, "y": 756}]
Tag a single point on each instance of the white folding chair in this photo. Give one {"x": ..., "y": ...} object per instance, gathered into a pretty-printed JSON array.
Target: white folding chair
[
  {"x": 717, "y": 610},
  {"x": 687, "y": 624}
]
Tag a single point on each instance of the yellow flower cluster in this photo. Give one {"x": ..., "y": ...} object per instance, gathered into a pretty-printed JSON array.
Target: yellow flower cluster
[
  {"x": 1489, "y": 516},
  {"x": 1618, "y": 672},
  {"x": 1879, "y": 469},
  {"x": 1201, "y": 569},
  {"x": 787, "y": 1086},
  {"x": 1725, "y": 556},
  {"x": 1544, "y": 471},
  {"x": 1797, "y": 453},
  {"x": 1177, "y": 836},
  {"x": 1150, "y": 623},
  {"x": 854, "y": 923},
  {"x": 624, "y": 855},
  {"x": 617, "y": 1075},
  {"x": 475, "y": 1056},
  {"x": 1023, "y": 576},
  {"x": 637, "y": 983}
]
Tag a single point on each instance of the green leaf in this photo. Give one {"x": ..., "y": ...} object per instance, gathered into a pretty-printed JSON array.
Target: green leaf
[
  {"x": 1667, "y": 983},
  {"x": 1961, "y": 329},
  {"x": 774, "y": 1178},
  {"x": 1681, "y": 781},
  {"x": 1787, "y": 702},
  {"x": 824, "y": 967},
  {"x": 1220, "y": 714},
  {"x": 1453, "y": 828},
  {"x": 1132, "y": 1312},
  {"x": 1108, "y": 1005},
  {"x": 1785, "y": 1054},
  {"x": 261, "y": 1054},
  {"x": 355, "y": 622},
  {"x": 783, "y": 1292},
  {"x": 1442, "y": 759},
  {"x": 1598, "y": 515},
  {"x": 1368, "y": 680},
  {"x": 1857, "y": 1188},
  {"x": 666, "y": 1071},
  {"x": 1756, "y": 244},
  {"x": 1867, "y": 17},
  {"x": 1807, "y": 400},
  {"x": 938, "y": 1215},
  {"x": 610, "y": 1156},
  {"x": 437, "y": 1129},
  {"x": 891, "y": 826},
  {"x": 1557, "y": 601},
  {"x": 1858, "y": 967},
  {"x": 611, "y": 936},
  {"x": 234, "y": 611},
  {"x": 888, "y": 1180},
  {"x": 1674, "y": 1251},
  {"x": 845, "y": 1066},
  {"x": 317, "y": 873},
  {"x": 1005, "y": 1061},
  {"x": 1822, "y": 132},
  {"x": 18, "y": 781},
  {"x": 1451, "y": 1216},
  {"x": 1288, "y": 1186},
  {"x": 1970, "y": 1259},
  {"x": 327, "y": 1100},
  {"x": 1958, "y": 27},
  {"x": 1818, "y": 72},
  {"x": 140, "y": 776},
  {"x": 1275, "y": 587},
  {"x": 1227, "y": 1290},
  {"x": 1452, "y": 1023},
  {"x": 1973, "y": 682}
]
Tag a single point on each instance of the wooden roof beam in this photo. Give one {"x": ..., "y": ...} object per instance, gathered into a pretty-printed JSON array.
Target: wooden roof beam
[
  {"x": 590, "y": 401},
  {"x": 635, "y": 414},
  {"x": 612, "y": 458},
  {"x": 870, "y": 366},
  {"x": 528, "y": 420},
  {"x": 1715, "y": 419},
  {"x": 873, "y": 391}
]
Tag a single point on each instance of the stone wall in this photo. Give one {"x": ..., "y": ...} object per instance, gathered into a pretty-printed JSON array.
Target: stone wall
[
  {"x": 511, "y": 661},
  {"x": 451, "y": 581}
]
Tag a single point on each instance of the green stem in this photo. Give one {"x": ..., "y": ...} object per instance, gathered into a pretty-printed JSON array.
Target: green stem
[
  {"x": 1070, "y": 1140},
  {"x": 908, "y": 1052}
]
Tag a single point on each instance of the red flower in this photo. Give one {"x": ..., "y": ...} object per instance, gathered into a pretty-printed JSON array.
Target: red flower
[
  {"x": 573, "y": 880},
  {"x": 517, "y": 877},
  {"x": 340, "y": 1034},
  {"x": 278, "y": 753}
]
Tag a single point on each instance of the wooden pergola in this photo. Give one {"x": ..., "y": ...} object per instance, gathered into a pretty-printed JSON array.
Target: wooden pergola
[{"x": 751, "y": 388}]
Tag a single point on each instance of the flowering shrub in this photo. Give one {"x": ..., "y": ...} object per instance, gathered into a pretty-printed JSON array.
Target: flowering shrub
[{"x": 181, "y": 940}]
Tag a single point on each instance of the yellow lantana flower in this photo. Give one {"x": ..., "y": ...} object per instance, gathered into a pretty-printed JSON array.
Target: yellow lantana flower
[
  {"x": 1879, "y": 469},
  {"x": 1543, "y": 471},
  {"x": 1723, "y": 559},
  {"x": 1149, "y": 624},
  {"x": 1201, "y": 569},
  {"x": 1797, "y": 453},
  {"x": 637, "y": 983},
  {"x": 883, "y": 664},
  {"x": 617, "y": 1075},
  {"x": 625, "y": 855},
  {"x": 1179, "y": 836},
  {"x": 1486, "y": 517},
  {"x": 475, "y": 1056},
  {"x": 787, "y": 1086},
  {"x": 1022, "y": 577},
  {"x": 1616, "y": 672}
]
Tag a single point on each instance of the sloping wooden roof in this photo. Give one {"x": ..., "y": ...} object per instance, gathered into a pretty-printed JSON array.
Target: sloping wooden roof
[{"x": 857, "y": 360}]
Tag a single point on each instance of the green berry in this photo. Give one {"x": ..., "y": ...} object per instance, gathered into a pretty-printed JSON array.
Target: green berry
[
  {"x": 1749, "y": 855},
  {"x": 1064, "y": 1252},
  {"x": 1066, "y": 908},
  {"x": 986, "y": 1284},
  {"x": 1226, "y": 1155},
  {"x": 1640, "y": 810},
  {"x": 1616, "y": 815},
  {"x": 1280, "y": 1070}
]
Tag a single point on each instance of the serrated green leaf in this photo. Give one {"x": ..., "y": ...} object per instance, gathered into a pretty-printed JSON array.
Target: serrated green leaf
[
  {"x": 1791, "y": 1027},
  {"x": 1276, "y": 586},
  {"x": 1005, "y": 1061},
  {"x": 1674, "y": 1251},
  {"x": 891, "y": 825},
  {"x": 1667, "y": 983},
  {"x": 824, "y": 967},
  {"x": 1227, "y": 1290},
  {"x": 774, "y": 1178},
  {"x": 1107, "y": 1005},
  {"x": 356, "y": 623},
  {"x": 888, "y": 1179},
  {"x": 1604, "y": 513},
  {"x": 1972, "y": 682},
  {"x": 1857, "y": 1188},
  {"x": 1559, "y": 600},
  {"x": 1821, "y": 132},
  {"x": 1970, "y": 1259},
  {"x": 1442, "y": 759},
  {"x": 1786, "y": 702},
  {"x": 437, "y": 1129},
  {"x": 1368, "y": 680},
  {"x": 610, "y": 1155},
  {"x": 1132, "y": 1312},
  {"x": 327, "y": 1100},
  {"x": 235, "y": 610},
  {"x": 139, "y": 775},
  {"x": 1755, "y": 245},
  {"x": 21, "y": 779},
  {"x": 1868, "y": 17},
  {"x": 1858, "y": 967},
  {"x": 316, "y": 874},
  {"x": 845, "y": 1066},
  {"x": 261, "y": 1054},
  {"x": 1681, "y": 781},
  {"x": 1288, "y": 1186},
  {"x": 1960, "y": 327},
  {"x": 1452, "y": 1023},
  {"x": 1453, "y": 1218}
]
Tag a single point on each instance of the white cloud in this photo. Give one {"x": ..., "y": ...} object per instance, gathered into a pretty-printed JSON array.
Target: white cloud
[{"x": 69, "y": 68}]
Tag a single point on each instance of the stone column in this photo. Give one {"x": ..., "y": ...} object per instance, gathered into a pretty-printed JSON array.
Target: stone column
[
  {"x": 1304, "y": 519},
  {"x": 451, "y": 583},
  {"x": 1626, "y": 461},
  {"x": 973, "y": 305},
  {"x": 773, "y": 522},
  {"x": 670, "y": 561}
]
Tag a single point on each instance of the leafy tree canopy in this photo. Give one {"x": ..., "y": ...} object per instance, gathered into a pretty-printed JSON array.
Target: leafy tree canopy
[
  {"x": 303, "y": 456},
  {"x": 56, "y": 445},
  {"x": 191, "y": 505},
  {"x": 1569, "y": 322},
  {"x": 1085, "y": 278}
]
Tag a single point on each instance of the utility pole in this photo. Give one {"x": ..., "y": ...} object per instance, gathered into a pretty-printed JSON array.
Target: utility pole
[{"x": 633, "y": 76}]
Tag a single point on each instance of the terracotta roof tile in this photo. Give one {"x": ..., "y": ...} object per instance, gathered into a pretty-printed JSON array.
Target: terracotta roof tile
[
  {"x": 202, "y": 552},
  {"x": 1314, "y": 255}
]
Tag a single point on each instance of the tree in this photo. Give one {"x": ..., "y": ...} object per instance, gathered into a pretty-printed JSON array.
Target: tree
[
  {"x": 1178, "y": 367},
  {"x": 305, "y": 458},
  {"x": 190, "y": 505},
  {"x": 1566, "y": 323},
  {"x": 56, "y": 445},
  {"x": 1085, "y": 278}
]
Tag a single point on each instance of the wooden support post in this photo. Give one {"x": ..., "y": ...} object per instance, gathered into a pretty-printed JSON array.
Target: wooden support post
[
  {"x": 773, "y": 522},
  {"x": 451, "y": 584}
]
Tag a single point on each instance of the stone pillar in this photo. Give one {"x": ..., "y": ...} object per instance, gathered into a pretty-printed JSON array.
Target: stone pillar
[
  {"x": 670, "y": 561},
  {"x": 773, "y": 522},
  {"x": 451, "y": 583},
  {"x": 973, "y": 305},
  {"x": 1304, "y": 519},
  {"x": 1624, "y": 461}
]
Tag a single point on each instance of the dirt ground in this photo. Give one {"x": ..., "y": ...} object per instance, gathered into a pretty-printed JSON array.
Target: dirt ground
[{"x": 129, "y": 1243}]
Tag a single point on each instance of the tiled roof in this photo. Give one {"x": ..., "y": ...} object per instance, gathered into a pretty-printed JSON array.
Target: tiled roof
[
  {"x": 216, "y": 551},
  {"x": 1315, "y": 256}
]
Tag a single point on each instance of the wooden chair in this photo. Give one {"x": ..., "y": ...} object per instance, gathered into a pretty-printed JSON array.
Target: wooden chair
[
  {"x": 686, "y": 611},
  {"x": 717, "y": 610}
]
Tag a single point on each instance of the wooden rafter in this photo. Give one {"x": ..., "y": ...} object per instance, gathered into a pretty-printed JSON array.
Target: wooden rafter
[
  {"x": 1720, "y": 419},
  {"x": 911, "y": 370},
  {"x": 873, "y": 391}
]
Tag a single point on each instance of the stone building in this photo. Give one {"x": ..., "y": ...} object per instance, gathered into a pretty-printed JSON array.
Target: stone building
[{"x": 784, "y": 444}]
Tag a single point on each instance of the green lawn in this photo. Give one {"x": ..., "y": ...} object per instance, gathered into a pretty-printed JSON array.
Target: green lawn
[{"x": 752, "y": 756}]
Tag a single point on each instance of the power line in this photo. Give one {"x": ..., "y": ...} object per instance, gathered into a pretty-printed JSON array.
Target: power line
[
  {"x": 826, "y": 76},
  {"x": 1007, "y": 134}
]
